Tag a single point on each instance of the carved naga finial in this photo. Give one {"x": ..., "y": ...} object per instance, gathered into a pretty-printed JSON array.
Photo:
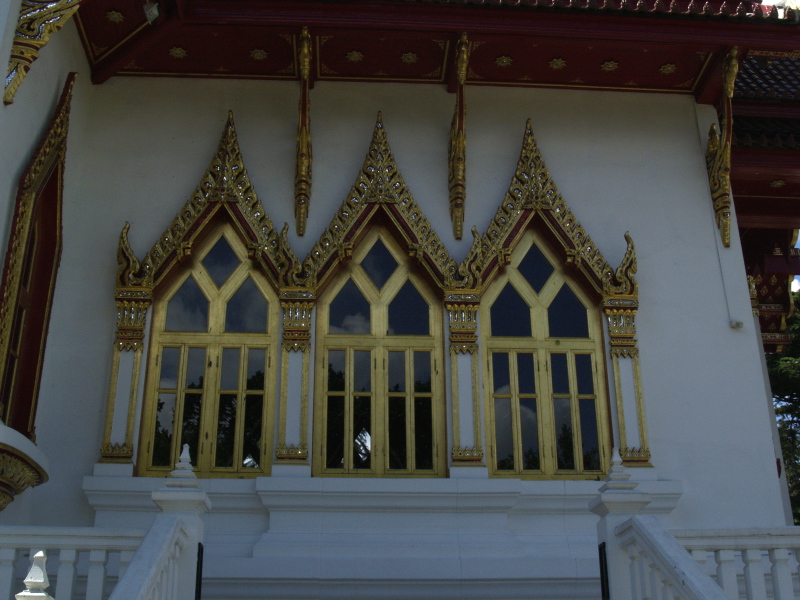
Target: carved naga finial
[
  {"x": 623, "y": 281},
  {"x": 128, "y": 263}
]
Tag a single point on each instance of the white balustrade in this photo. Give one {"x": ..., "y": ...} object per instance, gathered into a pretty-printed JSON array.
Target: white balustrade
[{"x": 83, "y": 561}]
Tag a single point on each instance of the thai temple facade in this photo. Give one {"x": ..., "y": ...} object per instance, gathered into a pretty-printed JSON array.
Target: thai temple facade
[{"x": 396, "y": 299}]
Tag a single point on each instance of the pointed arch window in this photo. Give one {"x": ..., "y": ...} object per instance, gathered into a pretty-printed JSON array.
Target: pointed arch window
[
  {"x": 545, "y": 404},
  {"x": 210, "y": 379},
  {"x": 379, "y": 405}
]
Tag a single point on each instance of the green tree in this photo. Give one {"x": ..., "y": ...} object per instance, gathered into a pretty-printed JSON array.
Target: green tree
[{"x": 784, "y": 377}]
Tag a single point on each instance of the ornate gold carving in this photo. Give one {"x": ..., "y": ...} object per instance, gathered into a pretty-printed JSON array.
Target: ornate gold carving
[
  {"x": 47, "y": 157},
  {"x": 503, "y": 61},
  {"x": 297, "y": 308},
  {"x": 17, "y": 473},
  {"x": 258, "y": 54},
  {"x": 38, "y": 20},
  {"x": 178, "y": 52},
  {"x": 464, "y": 456},
  {"x": 557, "y": 63},
  {"x": 121, "y": 453},
  {"x": 635, "y": 457},
  {"x": 751, "y": 286},
  {"x": 378, "y": 187},
  {"x": 292, "y": 452},
  {"x": 114, "y": 16},
  {"x": 132, "y": 301},
  {"x": 462, "y": 309},
  {"x": 667, "y": 69},
  {"x": 355, "y": 56},
  {"x": 457, "y": 153},
  {"x": 718, "y": 153},
  {"x": 409, "y": 58},
  {"x": 609, "y": 66},
  {"x": 302, "y": 178}
]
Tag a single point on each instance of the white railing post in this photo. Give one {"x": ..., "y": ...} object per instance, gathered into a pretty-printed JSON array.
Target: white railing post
[
  {"x": 782, "y": 588},
  {"x": 97, "y": 574},
  {"x": 36, "y": 582},
  {"x": 726, "y": 573},
  {"x": 617, "y": 502},
  {"x": 754, "y": 574},
  {"x": 65, "y": 579}
]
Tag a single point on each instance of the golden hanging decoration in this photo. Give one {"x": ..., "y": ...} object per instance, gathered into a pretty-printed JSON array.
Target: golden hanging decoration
[
  {"x": 302, "y": 178},
  {"x": 38, "y": 20},
  {"x": 457, "y": 152},
  {"x": 718, "y": 153}
]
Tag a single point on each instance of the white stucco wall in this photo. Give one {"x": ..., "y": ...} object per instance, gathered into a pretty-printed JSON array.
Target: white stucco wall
[{"x": 623, "y": 162}]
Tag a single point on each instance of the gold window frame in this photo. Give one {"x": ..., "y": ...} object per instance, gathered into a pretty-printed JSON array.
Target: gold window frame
[
  {"x": 380, "y": 344},
  {"x": 542, "y": 347},
  {"x": 214, "y": 340}
]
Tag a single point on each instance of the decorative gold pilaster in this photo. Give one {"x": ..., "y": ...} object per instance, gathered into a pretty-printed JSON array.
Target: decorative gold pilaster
[
  {"x": 462, "y": 309},
  {"x": 718, "y": 153},
  {"x": 457, "y": 159},
  {"x": 620, "y": 304},
  {"x": 751, "y": 285},
  {"x": 133, "y": 302},
  {"x": 297, "y": 305},
  {"x": 38, "y": 20},
  {"x": 302, "y": 178}
]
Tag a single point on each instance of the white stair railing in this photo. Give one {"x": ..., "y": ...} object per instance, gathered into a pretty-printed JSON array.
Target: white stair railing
[
  {"x": 84, "y": 560},
  {"x": 660, "y": 568}
]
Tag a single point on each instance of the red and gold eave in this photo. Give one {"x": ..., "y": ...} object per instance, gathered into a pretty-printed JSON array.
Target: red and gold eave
[{"x": 589, "y": 44}]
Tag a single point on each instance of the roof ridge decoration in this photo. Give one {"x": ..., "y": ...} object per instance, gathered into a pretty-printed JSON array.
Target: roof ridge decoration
[
  {"x": 225, "y": 183},
  {"x": 38, "y": 20},
  {"x": 533, "y": 191},
  {"x": 378, "y": 184}
]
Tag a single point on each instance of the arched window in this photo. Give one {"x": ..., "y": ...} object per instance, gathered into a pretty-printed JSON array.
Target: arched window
[
  {"x": 210, "y": 370},
  {"x": 379, "y": 408},
  {"x": 545, "y": 401}
]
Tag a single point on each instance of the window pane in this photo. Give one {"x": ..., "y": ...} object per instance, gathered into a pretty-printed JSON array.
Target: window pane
[
  {"x": 397, "y": 433},
  {"x": 256, "y": 358},
  {"x": 564, "y": 444},
  {"x": 502, "y": 383},
  {"x": 229, "y": 371},
  {"x": 162, "y": 439},
  {"x": 409, "y": 314},
  {"x": 247, "y": 310},
  {"x": 336, "y": 371},
  {"x": 169, "y": 368},
  {"x": 187, "y": 310},
  {"x": 190, "y": 431},
  {"x": 526, "y": 378},
  {"x": 334, "y": 444},
  {"x": 251, "y": 441},
  {"x": 504, "y": 445},
  {"x": 567, "y": 316},
  {"x": 583, "y": 372},
  {"x": 558, "y": 362},
  {"x": 510, "y": 316},
  {"x": 362, "y": 426},
  {"x": 349, "y": 311},
  {"x": 379, "y": 264},
  {"x": 535, "y": 268},
  {"x": 591, "y": 446},
  {"x": 529, "y": 424},
  {"x": 397, "y": 371},
  {"x": 423, "y": 433},
  {"x": 422, "y": 372},
  {"x": 221, "y": 261},
  {"x": 226, "y": 430},
  {"x": 362, "y": 374},
  {"x": 195, "y": 368}
]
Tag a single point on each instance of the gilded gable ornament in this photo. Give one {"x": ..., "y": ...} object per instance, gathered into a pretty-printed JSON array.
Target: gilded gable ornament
[{"x": 38, "y": 20}]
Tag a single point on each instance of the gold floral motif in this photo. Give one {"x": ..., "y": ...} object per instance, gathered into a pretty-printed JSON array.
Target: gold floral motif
[
  {"x": 114, "y": 16},
  {"x": 466, "y": 455},
  {"x": 557, "y": 63},
  {"x": 50, "y": 153},
  {"x": 503, "y": 61},
  {"x": 38, "y": 20},
  {"x": 17, "y": 473},
  {"x": 609, "y": 66},
  {"x": 258, "y": 54},
  {"x": 777, "y": 183},
  {"x": 409, "y": 58},
  {"x": 635, "y": 457},
  {"x": 292, "y": 452},
  {"x": 718, "y": 153},
  {"x": 116, "y": 453},
  {"x": 355, "y": 56},
  {"x": 177, "y": 52},
  {"x": 667, "y": 69}
]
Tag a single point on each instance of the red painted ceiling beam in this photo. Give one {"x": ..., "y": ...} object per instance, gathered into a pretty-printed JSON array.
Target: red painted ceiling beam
[
  {"x": 567, "y": 23},
  {"x": 767, "y": 213}
]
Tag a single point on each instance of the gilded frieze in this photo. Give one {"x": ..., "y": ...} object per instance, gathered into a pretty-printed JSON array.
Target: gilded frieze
[{"x": 38, "y": 20}]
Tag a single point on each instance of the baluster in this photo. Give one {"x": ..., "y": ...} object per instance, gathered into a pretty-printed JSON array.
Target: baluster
[
  {"x": 8, "y": 556},
  {"x": 654, "y": 580},
  {"x": 781, "y": 575},
  {"x": 97, "y": 574},
  {"x": 754, "y": 574},
  {"x": 700, "y": 557},
  {"x": 65, "y": 579},
  {"x": 125, "y": 558},
  {"x": 173, "y": 572},
  {"x": 641, "y": 567},
  {"x": 726, "y": 573},
  {"x": 633, "y": 567},
  {"x": 666, "y": 589}
]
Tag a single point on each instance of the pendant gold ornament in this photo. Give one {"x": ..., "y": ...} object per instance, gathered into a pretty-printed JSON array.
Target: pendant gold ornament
[
  {"x": 302, "y": 178},
  {"x": 457, "y": 152}
]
